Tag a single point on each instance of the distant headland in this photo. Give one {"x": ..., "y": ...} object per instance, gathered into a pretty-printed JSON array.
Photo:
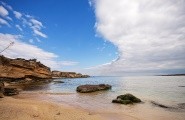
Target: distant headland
[{"x": 173, "y": 75}]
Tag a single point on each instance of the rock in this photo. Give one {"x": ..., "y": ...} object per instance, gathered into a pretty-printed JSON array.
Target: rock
[
  {"x": 126, "y": 99},
  {"x": 181, "y": 105},
  {"x": 58, "y": 81},
  {"x": 1, "y": 89},
  {"x": 15, "y": 69},
  {"x": 9, "y": 91},
  {"x": 181, "y": 86},
  {"x": 59, "y": 74},
  {"x": 162, "y": 106},
  {"x": 92, "y": 88}
]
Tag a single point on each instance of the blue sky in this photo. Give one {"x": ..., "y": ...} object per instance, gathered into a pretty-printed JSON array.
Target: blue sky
[
  {"x": 69, "y": 26},
  {"x": 97, "y": 37}
]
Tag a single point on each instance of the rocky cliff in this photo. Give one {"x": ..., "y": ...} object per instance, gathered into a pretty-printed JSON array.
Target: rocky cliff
[
  {"x": 59, "y": 74},
  {"x": 21, "y": 69}
]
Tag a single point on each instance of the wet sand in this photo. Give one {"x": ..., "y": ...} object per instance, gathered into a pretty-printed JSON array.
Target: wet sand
[{"x": 42, "y": 106}]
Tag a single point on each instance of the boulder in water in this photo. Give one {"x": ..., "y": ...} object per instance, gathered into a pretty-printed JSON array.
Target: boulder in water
[
  {"x": 58, "y": 81},
  {"x": 126, "y": 99},
  {"x": 92, "y": 88}
]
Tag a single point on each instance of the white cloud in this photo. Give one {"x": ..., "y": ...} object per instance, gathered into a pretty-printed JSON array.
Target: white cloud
[
  {"x": 18, "y": 27},
  {"x": 4, "y": 22},
  {"x": 39, "y": 33},
  {"x": 26, "y": 23},
  {"x": 36, "y": 26},
  {"x": 31, "y": 41},
  {"x": 18, "y": 15},
  {"x": 90, "y": 2},
  {"x": 38, "y": 40},
  {"x": 149, "y": 34},
  {"x": 21, "y": 49},
  {"x": 9, "y": 18},
  {"x": 7, "y": 6},
  {"x": 26, "y": 19},
  {"x": 29, "y": 16},
  {"x": 3, "y": 11}
]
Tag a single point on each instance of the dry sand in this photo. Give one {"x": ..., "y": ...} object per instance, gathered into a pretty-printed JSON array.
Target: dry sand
[{"x": 27, "y": 109}]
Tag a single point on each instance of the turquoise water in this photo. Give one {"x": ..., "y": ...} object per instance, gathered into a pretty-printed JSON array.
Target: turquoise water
[{"x": 164, "y": 89}]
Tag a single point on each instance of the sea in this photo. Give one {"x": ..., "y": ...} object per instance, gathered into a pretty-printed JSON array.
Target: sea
[{"x": 165, "y": 90}]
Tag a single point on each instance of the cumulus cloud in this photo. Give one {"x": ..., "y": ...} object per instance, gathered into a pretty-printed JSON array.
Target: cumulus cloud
[
  {"x": 4, "y": 22},
  {"x": 21, "y": 49},
  {"x": 36, "y": 26},
  {"x": 37, "y": 32},
  {"x": 18, "y": 27},
  {"x": 26, "y": 19},
  {"x": 31, "y": 41},
  {"x": 149, "y": 34},
  {"x": 18, "y": 15},
  {"x": 3, "y": 11},
  {"x": 7, "y": 6}
]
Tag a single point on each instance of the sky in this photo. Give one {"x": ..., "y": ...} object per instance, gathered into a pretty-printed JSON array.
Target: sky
[{"x": 97, "y": 37}]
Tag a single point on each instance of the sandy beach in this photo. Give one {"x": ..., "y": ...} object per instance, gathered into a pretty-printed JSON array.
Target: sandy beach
[
  {"x": 29, "y": 106},
  {"x": 27, "y": 109}
]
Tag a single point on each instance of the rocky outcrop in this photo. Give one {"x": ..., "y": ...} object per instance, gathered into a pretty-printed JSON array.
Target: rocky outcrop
[
  {"x": 59, "y": 74},
  {"x": 21, "y": 69},
  {"x": 1, "y": 89},
  {"x": 126, "y": 99},
  {"x": 92, "y": 88},
  {"x": 9, "y": 91}
]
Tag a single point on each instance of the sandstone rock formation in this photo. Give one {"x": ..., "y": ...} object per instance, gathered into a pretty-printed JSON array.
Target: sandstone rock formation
[
  {"x": 126, "y": 99},
  {"x": 21, "y": 69},
  {"x": 1, "y": 89},
  {"x": 92, "y": 88},
  {"x": 59, "y": 74}
]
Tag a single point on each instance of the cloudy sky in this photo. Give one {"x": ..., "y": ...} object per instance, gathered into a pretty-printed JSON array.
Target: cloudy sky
[{"x": 97, "y": 37}]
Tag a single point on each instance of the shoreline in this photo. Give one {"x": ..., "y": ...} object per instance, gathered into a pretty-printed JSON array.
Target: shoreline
[
  {"x": 27, "y": 108},
  {"x": 31, "y": 106}
]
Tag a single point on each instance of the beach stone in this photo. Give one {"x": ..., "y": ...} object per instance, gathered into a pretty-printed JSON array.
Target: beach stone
[
  {"x": 181, "y": 105},
  {"x": 159, "y": 105},
  {"x": 92, "y": 88},
  {"x": 1, "y": 89},
  {"x": 58, "y": 81},
  {"x": 9, "y": 91},
  {"x": 126, "y": 99}
]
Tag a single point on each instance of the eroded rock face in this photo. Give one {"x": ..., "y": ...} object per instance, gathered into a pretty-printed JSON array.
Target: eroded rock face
[
  {"x": 21, "y": 68},
  {"x": 126, "y": 99},
  {"x": 59, "y": 74},
  {"x": 92, "y": 88},
  {"x": 1, "y": 89},
  {"x": 9, "y": 91}
]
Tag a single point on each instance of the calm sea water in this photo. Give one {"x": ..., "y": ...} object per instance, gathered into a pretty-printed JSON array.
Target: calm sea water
[{"x": 164, "y": 89}]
